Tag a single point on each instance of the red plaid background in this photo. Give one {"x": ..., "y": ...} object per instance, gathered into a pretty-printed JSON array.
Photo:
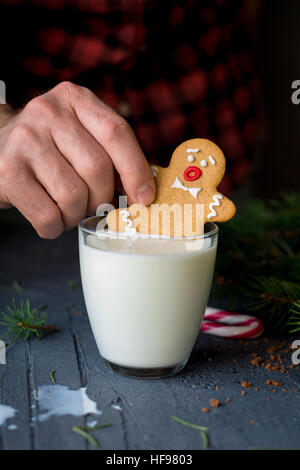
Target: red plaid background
[{"x": 174, "y": 69}]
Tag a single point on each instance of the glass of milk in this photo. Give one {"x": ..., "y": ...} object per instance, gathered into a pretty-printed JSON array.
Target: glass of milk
[{"x": 145, "y": 298}]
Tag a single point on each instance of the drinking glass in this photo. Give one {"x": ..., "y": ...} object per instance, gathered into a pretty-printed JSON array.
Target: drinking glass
[{"x": 145, "y": 297}]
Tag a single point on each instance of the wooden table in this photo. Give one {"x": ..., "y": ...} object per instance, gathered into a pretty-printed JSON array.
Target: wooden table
[{"x": 139, "y": 410}]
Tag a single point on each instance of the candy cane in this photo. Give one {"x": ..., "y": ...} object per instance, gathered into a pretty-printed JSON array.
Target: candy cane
[{"x": 231, "y": 325}]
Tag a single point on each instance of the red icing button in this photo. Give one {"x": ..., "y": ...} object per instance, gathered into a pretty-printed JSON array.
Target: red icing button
[{"x": 192, "y": 173}]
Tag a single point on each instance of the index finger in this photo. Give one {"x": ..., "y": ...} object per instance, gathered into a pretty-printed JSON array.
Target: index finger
[{"x": 119, "y": 141}]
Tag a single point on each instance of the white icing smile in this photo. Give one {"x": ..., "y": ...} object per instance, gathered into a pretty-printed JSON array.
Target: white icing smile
[{"x": 179, "y": 185}]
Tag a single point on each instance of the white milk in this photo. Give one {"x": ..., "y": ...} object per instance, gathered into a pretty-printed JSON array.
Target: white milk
[{"x": 145, "y": 298}]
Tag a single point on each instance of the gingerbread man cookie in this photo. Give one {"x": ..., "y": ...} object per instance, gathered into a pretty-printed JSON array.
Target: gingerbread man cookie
[{"x": 190, "y": 182}]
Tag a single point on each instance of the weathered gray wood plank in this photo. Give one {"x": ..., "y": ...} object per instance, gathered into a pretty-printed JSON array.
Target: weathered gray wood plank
[
  {"x": 143, "y": 422},
  {"x": 14, "y": 392}
]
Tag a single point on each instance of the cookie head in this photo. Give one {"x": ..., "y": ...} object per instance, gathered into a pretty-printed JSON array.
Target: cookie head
[{"x": 200, "y": 162}]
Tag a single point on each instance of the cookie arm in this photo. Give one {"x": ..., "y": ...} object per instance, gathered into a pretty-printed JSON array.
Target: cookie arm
[
  {"x": 229, "y": 210},
  {"x": 219, "y": 209}
]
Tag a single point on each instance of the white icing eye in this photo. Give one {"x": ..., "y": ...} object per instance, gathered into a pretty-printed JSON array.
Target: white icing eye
[
  {"x": 191, "y": 158},
  {"x": 204, "y": 163}
]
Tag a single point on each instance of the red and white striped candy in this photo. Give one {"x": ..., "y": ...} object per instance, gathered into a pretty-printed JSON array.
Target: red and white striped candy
[{"x": 231, "y": 325}]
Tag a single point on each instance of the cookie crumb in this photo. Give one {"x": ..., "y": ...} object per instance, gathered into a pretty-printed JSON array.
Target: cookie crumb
[
  {"x": 243, "y": 393},
  {"x": 228, "y": 399},
  {"x": 252, "y": 421},
  {"x": 257, "y": 361},
  {"x": 205, "y": 410},
  {"x": 246, "y": 384},
  {"x": 214, "y": 403},
  {"x": 273, "y": 382}
]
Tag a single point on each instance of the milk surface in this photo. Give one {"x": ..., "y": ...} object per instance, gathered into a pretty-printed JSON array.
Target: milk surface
[{"x": 146, "y": 298}]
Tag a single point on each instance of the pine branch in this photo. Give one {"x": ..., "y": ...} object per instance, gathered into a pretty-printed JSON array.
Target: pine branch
[
  {"x": 258, "y": 262},
  {"x": 24, "y": 321},
  {"x": 274, "y": 299},
  {"x": 295, "y": 318}
]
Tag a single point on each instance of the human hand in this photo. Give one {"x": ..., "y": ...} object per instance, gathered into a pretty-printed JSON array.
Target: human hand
[{"x": 57, "y": 159}]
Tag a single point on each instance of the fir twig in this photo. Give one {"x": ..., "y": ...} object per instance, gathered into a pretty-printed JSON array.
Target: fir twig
[
  {"x": 24, "y": 322},
  {"x": 275, "y": 299},
  {"x": 295, "y": 318},
  {"x": 258, "y": 262}
]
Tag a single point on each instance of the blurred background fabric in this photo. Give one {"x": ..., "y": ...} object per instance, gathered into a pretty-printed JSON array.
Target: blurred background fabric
[
  {"x": 219, "y": 69},
  {"x": 174, "y": 69},
  {"x": 278, "y": 53}
]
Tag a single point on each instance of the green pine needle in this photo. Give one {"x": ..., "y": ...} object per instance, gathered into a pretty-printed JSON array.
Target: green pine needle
[
  {"x": 84, "y": 432},
  {"x": 86, "y": 435},
  {"x": 96, "y": 427},
  {"x": 202, "y": 429},
  {"x": 24, "y": 322},
  {"x": 52, "y": 376}
]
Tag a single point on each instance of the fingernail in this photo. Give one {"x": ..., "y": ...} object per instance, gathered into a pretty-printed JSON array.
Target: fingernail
[{"x": 145, "y": 194}]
